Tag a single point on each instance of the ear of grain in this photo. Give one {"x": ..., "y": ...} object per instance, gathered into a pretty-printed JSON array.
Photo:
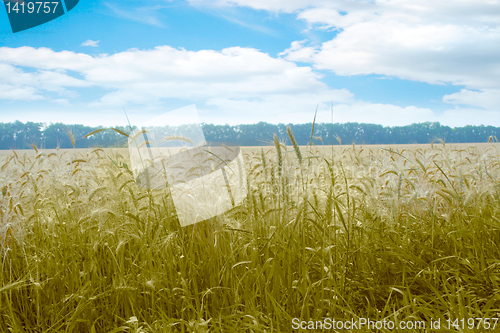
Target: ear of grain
[
  {"x": 70, "y": 134},
  {"x": 263, "y": 161},
  {"x": 294, "y": 143},
  {"x": 179, "y": 138},
  {"x": 279, "y": 155}
]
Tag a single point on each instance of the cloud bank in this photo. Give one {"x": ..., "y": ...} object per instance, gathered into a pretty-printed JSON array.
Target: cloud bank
[{"x": 445, "y": 43}]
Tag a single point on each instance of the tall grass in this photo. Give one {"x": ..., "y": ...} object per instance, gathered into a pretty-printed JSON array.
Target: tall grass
[{"x": 389, "y": 234}]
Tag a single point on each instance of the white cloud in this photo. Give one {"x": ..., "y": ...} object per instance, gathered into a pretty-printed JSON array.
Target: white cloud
[
  {"x": 276, "y": 108},
  {"x": 469, "y": 116},
  {"x": 431, "y": 53},
  {"x": 146, "y": 14},
  {"x": 434, "y": 42},
  {"x": 285, "y": 6},
  {"x": 488, "y": 99},
  {"x": 298, "y": 52},
  {"x": 386, "y": 114},
  {"x": 235, "y": 85},
  {"x": 438, "y": 42},
  {"x": 168, "y": 72},
  {"x": 231, "y": 17},
  {"x": 28, "y": 86},
  {"x": 151, "y": 77},
  {"x": 10, "y": 92},
  {"x": 89, "y": 42},
  {"x": 45, "y": 58},
  {"x": 62, "y": 101}
]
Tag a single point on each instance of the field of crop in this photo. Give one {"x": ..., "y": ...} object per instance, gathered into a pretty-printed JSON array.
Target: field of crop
[{"x": 407, "y": 233}]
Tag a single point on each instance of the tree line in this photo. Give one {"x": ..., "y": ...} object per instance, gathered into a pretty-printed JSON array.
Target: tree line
[{"x": 18, "y": 135}]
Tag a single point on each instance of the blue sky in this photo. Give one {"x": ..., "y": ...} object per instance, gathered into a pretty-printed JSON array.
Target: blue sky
[{"x": 390, "y": 62}]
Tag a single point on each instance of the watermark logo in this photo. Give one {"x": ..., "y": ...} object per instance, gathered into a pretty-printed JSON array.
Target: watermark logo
[
  {"x": 25, "y": 15},
  {"x": 170, "y": 152}
]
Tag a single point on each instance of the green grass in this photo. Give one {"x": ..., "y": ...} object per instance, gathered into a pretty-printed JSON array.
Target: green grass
[{"x": 379, "y": 234}]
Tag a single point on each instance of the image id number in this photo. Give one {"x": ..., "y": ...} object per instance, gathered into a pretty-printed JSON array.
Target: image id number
[
  {"x": 31, "y": 7},
  {"x": 473, "y": 323}
]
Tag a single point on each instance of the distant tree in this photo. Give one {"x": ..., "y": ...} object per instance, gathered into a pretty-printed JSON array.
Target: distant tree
[
  {"x": 18, "y": 135},
  {"x": 7, "y": 136},
  {"x": 56, "y": 136}
]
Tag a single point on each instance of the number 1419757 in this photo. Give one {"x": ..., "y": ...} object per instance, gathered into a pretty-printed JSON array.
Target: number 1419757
[
  {"x": 472, "y": 323},
  {"x": 31, "y": 7}
]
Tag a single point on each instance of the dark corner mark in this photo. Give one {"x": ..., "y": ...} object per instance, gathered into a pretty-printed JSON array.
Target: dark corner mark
[{"x": 25, "y": 15}]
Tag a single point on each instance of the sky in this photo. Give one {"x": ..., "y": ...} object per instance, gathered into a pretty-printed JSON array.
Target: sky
[{"x": 388, "y": 62}]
